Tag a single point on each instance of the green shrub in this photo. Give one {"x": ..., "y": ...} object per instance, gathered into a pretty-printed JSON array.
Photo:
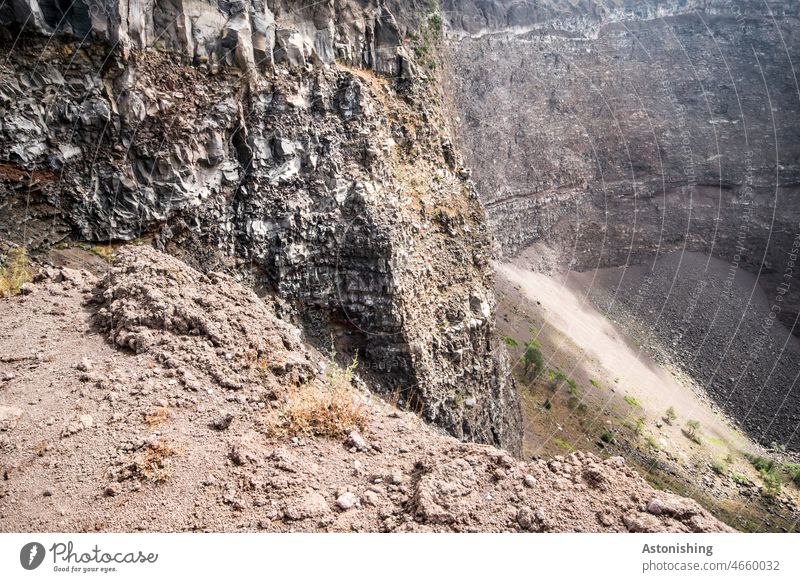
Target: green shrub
[
  {"x": 670, "y": 416},
  {"x": 719, "y": 466},
  {"x": 770, "y": 474},
  {"x": 772, "y": 483},
  {"x": 740, "y": 479},
  {"x": 510, "y": 341},
  {"x": 556, "y": 377},
  {"x": 652, "y": 442},
  {"x": 607, "y": 437},
  {"x": 533, "y": 357},
  {"x": 760, "y": 463},
  {"x": 572, "y": 387},
  {"x": 632, "y": 402},
  {"x": 564, "y": 445},
  {"x": 435, "y": 22},
  {"x": 793, "y": 470}
]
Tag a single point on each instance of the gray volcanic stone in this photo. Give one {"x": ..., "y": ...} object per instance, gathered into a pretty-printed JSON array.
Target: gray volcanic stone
[{"x": 253, "y": 139}]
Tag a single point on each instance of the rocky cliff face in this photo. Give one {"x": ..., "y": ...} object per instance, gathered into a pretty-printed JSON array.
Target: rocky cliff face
[
  {"x": 632, "y": 128},
  {"x": 301, "y": 148},
  {"x": 616, "y": 132}
]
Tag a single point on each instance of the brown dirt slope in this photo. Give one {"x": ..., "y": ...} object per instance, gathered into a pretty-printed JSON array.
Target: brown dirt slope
[{"x": 151, "y": 400}]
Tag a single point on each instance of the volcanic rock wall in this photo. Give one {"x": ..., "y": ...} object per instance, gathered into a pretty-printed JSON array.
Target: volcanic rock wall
[
  {"x": 615, "y": 130},
  {"x": 299, "y": 146}
]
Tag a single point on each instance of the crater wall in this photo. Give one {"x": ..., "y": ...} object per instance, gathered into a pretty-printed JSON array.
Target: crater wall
[{"x": 618, "y": 132}]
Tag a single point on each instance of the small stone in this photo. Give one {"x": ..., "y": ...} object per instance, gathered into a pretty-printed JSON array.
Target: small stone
[
  {"x": 8, "y": 376},
  {"x": 347, "y": 501},
  {"x": 223, "y": 421},
  {"x": 540, "y": 515},
  {"x": 396, "y": 477},
  {"x": 27, "y": 288},
  {"x": 605, "y": 518},
  {"x": 525, "y": 518},
  {"x": 554, "y": 466},
  {"x": 355, "y": 440},
  {"x": 312, "y": 505},
  {"x": 615, "y": 461},
  {"x": 655, "y": 507},
  {"x": 370, "y": 498},
  {"x": 641, "y": 523},
  {"x": 47, "y": 493},
  {"x": 530, "y": 481},
  {"x": 470, "y": 402},
  {"x": 9, "y": 417},
  {"x": 85, "y": 365},
  {"x": 110, "y": 491}
]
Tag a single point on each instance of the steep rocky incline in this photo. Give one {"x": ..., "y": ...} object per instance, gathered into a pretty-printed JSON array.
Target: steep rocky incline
[
  {"x": 300, "y": 148},
  {"x": 159, "y": 398},
  {"x": 617, "y": 132},
  {"x": 630, "y": 129}
]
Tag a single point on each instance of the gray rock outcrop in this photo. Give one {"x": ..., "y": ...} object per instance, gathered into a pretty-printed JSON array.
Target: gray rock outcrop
[{"x": 301, "y": 148}]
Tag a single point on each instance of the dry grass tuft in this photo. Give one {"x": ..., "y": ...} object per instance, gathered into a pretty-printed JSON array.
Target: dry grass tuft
[
  {"x": 154, "y": 462},
  {"x": 41, "y": 448},
  {"x": 327, "y": 409},
  {"x": 158, "y": 416},
  {"x": 321, "y": 411},
  {"x": 15, "y": 272}
]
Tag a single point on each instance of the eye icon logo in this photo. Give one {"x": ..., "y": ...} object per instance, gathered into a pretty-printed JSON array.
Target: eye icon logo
[{"x": 31, "y": 555}]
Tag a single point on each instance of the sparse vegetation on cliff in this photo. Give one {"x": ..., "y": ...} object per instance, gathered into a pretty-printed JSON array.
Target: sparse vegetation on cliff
[
  {"x": 15, "y": 272},
  {"x": 690, "y": 431},
  {"x": 533, "y": 357},
  {"x": 632, "y": 402},
  {"x": 328, "y": 410},
  {"x": 770, "y": 473},
  {"x": 793, "y": 470}
]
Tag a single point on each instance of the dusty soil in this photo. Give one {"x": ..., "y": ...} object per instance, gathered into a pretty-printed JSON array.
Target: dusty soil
[
  {"x": 622, "y": 392},
  {"x": 144, "y": 400}
]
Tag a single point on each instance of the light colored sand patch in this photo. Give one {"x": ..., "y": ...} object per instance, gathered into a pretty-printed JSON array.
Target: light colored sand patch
[{"x": 607, "y": 354}]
